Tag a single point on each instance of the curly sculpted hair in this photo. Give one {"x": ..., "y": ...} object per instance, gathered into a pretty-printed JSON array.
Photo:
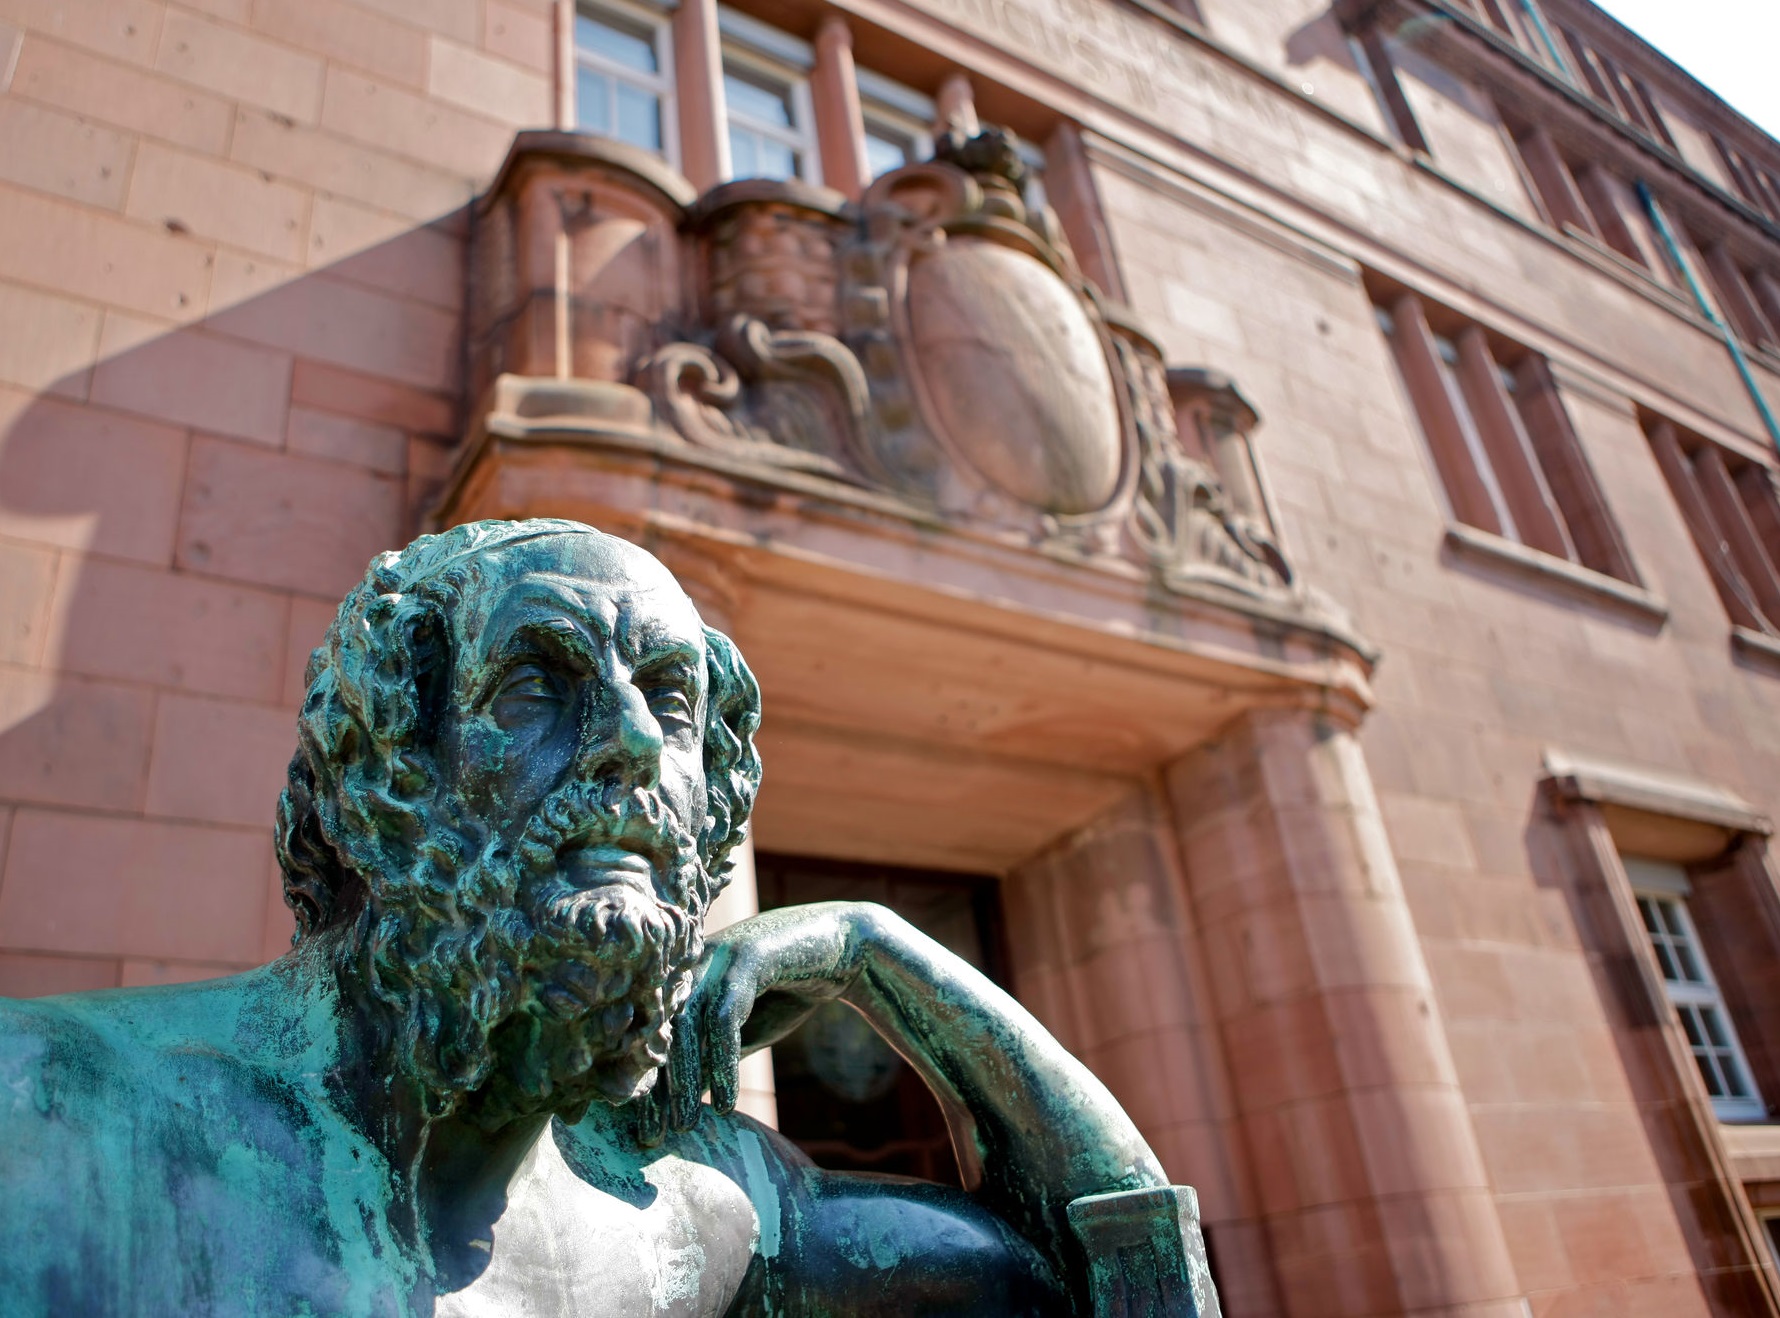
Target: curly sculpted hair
[{"x": 361, "y": 805}]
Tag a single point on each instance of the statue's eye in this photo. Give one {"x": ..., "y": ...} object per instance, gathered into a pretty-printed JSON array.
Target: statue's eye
[
  {"x": 671, "y": 706},
  {"x": 528, "y": 684}
]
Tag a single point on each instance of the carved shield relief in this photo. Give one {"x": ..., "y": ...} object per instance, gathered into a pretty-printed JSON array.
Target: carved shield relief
[
  {"x": 1015, "y": 375},
  {"x": 994, "y": 384}
]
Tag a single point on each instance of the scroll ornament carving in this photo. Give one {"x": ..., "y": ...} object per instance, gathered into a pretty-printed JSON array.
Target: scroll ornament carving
[
  {"x": 788, "y": 398},
  {"x": 1182, "y": 517},
  {"x": 937, "y": 341}
]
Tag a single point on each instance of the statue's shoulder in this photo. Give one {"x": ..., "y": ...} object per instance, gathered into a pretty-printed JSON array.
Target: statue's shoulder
[
  {"x": 85, "y": 1057},
  {"x": 48, "y": 1041},
  {"x": 67, "y": 1067}
]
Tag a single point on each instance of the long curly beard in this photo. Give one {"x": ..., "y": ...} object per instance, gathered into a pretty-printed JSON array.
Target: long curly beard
[{"x": 512, "y": 990}]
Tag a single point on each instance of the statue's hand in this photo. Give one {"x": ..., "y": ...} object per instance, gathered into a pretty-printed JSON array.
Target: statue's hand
[{"x": 758, "y": 980}]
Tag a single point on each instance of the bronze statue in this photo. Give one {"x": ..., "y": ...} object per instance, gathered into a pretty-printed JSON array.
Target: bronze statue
[{"x": 473, "y": 1084}]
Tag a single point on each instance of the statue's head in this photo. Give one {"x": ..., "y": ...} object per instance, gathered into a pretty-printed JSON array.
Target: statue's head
[{"x": 523, "y": 763}]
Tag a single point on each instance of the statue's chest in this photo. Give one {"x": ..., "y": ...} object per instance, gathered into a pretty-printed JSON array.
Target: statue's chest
[{"x": 678, "y": 1245}]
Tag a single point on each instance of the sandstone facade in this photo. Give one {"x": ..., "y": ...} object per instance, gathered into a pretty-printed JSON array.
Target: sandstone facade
[{"x": 1304, "y": 523}]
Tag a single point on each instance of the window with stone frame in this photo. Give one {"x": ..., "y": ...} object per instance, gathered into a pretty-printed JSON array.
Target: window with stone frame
[
  {"x": 1371, "y": 50},
  {"x": 1728, "y": 499},
  {"x": 624, "y": 76},
  {"x": 898, "y": 122},
  {"x": 1584, "y": 198},
  {"x": 1747, "y": 295},
  {"x": 1617, "y": 90},
  {"x": 1659, "y": 861},
  {"x": 766, "y": 91},
  {"x": 1660, "y": 889},
  {"x": 1509, "y": 462},
  {"x": 1522, "y": 23},
  {"x": 1759, "y": 186}
]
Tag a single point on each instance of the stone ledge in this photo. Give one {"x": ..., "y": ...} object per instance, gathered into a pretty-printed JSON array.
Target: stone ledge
[
  {"x": 1607, "y": 782},
  {"x": 1756, "y": 645},
  {"x": 1570, "y": 577},
  {"x": 1754, "y": 1149}
]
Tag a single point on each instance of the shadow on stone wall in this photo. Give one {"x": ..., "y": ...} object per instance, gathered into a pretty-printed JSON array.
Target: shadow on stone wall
[{"x": 178, "y": 520}]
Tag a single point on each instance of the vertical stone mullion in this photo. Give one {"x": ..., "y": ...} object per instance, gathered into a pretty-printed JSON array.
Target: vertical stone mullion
[
  {"x": 1746, "y": 548},
  {"x": 840, "y": 122},
  {"x": 1504, "y": 436},
  {"x": 562, "y": 62},
  {"x": 1599, "y": 542},
  {"x": 698, "y": 78},
  {"x": 1465, "y": 487},
  {"x": 1738, "y": 599},
  {"x": 1563, "y": 200},
  {"x": 1740, "y": 306}
]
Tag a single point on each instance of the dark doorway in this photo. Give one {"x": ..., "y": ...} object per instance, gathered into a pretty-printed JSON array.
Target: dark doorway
[{"x": 844, "y": 1095}]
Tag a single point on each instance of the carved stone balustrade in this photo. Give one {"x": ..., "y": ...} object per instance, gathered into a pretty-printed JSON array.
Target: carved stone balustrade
[
  {"x": 578, "y": 273},
  {"x": 932, "y": 348}
]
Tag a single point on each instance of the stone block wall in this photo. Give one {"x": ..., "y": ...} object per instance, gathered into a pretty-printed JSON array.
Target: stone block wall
[
  {"x": 231, "y": 279},
  {"x": 1483, "y": 670}
]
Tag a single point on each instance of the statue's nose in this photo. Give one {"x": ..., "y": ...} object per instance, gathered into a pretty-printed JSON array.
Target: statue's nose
[{"x": 620, "y": 738}]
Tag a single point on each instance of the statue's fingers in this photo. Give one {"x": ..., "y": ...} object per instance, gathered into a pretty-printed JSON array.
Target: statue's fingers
[
  {"x": 723, "y": 1044},
  {"x": 686, "y": 1069},
  {"x": 652, "y": 1116}
]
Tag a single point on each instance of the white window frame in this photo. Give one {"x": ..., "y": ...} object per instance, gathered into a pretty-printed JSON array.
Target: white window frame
[
  {"x": 659, "y": 85},
  {"x": 1654, "y": 882},
  {"x": 753, "y": 47}
]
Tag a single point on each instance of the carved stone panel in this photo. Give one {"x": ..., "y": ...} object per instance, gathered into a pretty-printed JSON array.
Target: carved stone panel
[
  {"x": 934, "y": 343},
  {"x": 578, "y": 267},
  {"x": 1016, "y": 375}
]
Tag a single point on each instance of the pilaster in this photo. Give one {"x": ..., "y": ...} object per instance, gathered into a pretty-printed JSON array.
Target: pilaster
[{"x": 1372, "y": 1188}]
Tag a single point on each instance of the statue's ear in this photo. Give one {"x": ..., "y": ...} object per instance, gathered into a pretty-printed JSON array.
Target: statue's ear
[{"x": 732, "y": 763}]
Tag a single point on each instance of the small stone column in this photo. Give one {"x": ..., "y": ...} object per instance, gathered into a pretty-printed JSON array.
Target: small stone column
[
  {"x": 835, "y": 88},
  {"x": 704, "y": 117},
  {"x": 1367, "y": 1169}
]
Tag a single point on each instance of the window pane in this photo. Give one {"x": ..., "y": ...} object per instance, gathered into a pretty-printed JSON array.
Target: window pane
[
  {"x": 776, "y": 160},
  {"x": 623, "y": 43},
  {"x": 1671, "y": 918},
  {"x": 593, "y": 101},
  {"x": 883, "y": 154},
  {"x": 1692, "y": 1026},
  {"x": 744, "y": 160},
  {"x": 1688, "y": 963},
  {"x": 1665, "y": 960},
  {"x": 1649, "y": 914},
  {"x": 1709, "y": 1075},
  {"x": 1734, "y": 1080},
  {"x": 1714, "y": 1027},
  {"x": 758, "y": 100},
  {"x": 639, "y": 117}
]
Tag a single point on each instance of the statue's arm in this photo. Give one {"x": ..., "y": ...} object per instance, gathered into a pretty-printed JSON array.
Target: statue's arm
[{"x": 1033, "y": 1128}]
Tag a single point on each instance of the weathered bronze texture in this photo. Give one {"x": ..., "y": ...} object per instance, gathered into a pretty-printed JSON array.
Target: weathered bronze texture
[{"x": 523, "y": 765}]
